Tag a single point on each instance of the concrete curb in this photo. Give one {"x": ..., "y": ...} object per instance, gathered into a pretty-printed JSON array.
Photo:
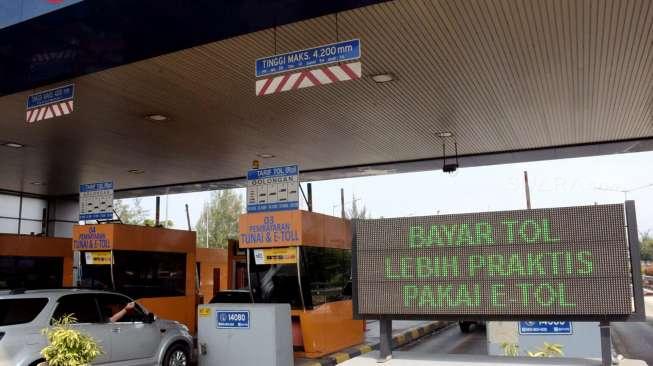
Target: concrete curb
[{"x": 398, "y": 340}]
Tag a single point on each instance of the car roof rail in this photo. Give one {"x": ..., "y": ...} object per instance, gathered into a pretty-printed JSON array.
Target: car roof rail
[{"x": 22, "y": 290}]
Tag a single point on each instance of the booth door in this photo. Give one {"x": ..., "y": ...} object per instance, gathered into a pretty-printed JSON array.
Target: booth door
[{"x": 216, "y": 281}]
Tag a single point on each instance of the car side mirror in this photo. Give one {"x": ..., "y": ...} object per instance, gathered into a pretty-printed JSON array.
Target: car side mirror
[{"x": 149, "y": 318}]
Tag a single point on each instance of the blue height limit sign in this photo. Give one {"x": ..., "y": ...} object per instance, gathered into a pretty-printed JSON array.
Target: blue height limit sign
[{"x": 326, "y": 54}]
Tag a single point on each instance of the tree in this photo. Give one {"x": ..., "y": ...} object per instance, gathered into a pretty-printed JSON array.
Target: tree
[
  {"x": 355, "y": 212},
  {"x": 130, "y": 214},
  {"x": 646, "y": 246},
  {"x": 220, "y": 216},
  {"x": 164, "y": 223}
]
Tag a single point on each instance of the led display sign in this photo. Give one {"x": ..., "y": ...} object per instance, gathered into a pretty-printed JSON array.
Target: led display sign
[{"x": 562, "y": 263}]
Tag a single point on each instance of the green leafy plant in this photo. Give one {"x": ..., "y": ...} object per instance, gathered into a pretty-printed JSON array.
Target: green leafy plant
[
  {"x": 510, "y": 349},
  {"x": 547, "y": 350},
  {"x": 68, "y": 346}
]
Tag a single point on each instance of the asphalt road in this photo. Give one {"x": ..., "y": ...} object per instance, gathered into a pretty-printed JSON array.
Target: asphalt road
[
  {"x": 634, "y": 340},
  {"x": 451, "y": 340}
]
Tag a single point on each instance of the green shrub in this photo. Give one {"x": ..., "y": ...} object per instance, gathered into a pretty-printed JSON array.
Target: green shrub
[
  {"x": 68, "y": 346},
  {"x": 548, "y": 350}
]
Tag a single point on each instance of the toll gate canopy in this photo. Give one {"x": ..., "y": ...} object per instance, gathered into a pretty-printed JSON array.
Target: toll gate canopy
[{"x": 511, "y": 81}]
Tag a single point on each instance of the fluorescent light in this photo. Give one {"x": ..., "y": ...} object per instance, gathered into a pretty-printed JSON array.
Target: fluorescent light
[
  {"x": 383, "y": 78},
  {"x": 39, "y": 183},
  {"x": 156, "y": 117},
  {"x": 445, "y": 134},
  {"x": 14, "y": 145},
  {"x": 265, "y": 155},
  {"x": 136, "y": 171}
]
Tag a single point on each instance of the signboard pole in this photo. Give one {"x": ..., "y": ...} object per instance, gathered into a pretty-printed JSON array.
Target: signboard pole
[
  {"x": 385, "y": 348},
  {"x": 606, "y": 344},
  {"x": 635, "y": 261}
]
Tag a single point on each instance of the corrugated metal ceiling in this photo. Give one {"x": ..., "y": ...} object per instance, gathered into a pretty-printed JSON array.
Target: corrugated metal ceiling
[{"x": 501, "y": 75}]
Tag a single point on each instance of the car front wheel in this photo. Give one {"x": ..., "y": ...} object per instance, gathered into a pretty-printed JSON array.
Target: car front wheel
[{"x": 177, "y": 355}]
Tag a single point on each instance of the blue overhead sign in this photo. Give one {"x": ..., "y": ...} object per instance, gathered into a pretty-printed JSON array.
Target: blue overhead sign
[
  {"x": 16, "y": 11},
  {"x": 96, "y": 201},
  {"x": 273, "y": 189},
  {"x": 326, "y": 54},
  {"x": 51, "y": 96},
  {"x": 237, "y": 319},
  {"x": 551, "y": 327}
]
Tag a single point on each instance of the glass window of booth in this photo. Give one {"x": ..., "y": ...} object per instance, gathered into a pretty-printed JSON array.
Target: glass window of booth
[
  {"x": 30, "y": 272},
  {"x": 97, "y": 276},
  {"x": 150, "y": 274},
  {"x": 325, "y": 273},
  {"x": 274, "y": 283}
]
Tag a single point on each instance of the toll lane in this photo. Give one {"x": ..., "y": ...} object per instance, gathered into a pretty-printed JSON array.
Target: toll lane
[
  {"x": 451, "y": 340},
  {"x": 635, "y": 340}
]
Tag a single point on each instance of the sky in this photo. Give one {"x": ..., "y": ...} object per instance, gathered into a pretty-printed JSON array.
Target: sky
[{"x": 553, "y": 183}]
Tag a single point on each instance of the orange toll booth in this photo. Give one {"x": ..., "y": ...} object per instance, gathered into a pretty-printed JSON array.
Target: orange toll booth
[
  {"x": 304, "y": 259},
  {"x": 35, "y": 262},
  {"x": 220, "y": 269},
  {"x": 155, "y": 266},
  {"x": 212, "y": 270}
]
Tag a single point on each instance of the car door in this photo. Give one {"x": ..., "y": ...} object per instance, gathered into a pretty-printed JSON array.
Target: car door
[
  {"x": 132, "y": 339},
  {"x": 83, "y": 307}
]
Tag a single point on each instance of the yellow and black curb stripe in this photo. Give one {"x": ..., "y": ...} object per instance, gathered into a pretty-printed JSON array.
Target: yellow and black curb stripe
[{"x": 398, "y": 340}]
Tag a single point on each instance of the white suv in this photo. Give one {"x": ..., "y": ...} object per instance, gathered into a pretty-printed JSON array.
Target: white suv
[{"x": 138, "y": 338}]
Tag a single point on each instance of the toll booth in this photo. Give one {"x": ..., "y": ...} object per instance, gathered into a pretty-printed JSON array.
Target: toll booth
[
  {"x": 238, "y": 279},
  {"x": 220, "y": 269},
  {"x": 304, "y": 259},
  {"x": 155, "y": 266},
  {"x": 212, "y": 272},
  {"x": 35, "y": 262}
]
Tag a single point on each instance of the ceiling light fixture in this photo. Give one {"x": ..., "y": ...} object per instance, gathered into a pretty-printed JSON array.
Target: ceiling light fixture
[
  {"x": 445, "y": 134},
  {"x": 136, "y": 171},
  {"x": 156, "y": 117},
  {"x": 14, "y": 145},
  {"x": 265, "y": 156},
  {"x": 38, "y": 183},
  {"x": 383, "y": 78}
]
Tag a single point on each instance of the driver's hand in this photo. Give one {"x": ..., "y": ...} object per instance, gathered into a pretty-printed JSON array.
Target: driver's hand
[{"x": 129, "y": 306}]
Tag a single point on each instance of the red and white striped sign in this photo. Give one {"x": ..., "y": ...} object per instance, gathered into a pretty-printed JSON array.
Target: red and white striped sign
[
  {"x": 308, "y": 78},
  {"x": 49, "y": 111}
]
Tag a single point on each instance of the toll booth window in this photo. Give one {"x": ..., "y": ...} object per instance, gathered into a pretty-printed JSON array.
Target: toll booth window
[
  {"x": 149, "y": 274},
  {"x": 96, "y": 276},
  {"x": 275, "y": 283},
  {"x": 30, "y": 272},
  {"x": 325, "y": 272}
]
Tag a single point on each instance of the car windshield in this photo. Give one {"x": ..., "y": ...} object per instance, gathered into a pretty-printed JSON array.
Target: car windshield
[{"x": 20, "y": 311}]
